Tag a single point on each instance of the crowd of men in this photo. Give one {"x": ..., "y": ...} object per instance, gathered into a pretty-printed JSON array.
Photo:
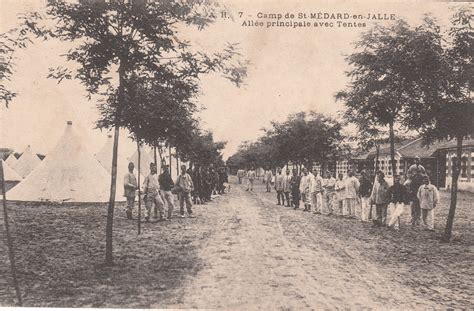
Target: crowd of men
[
  {"x": 365, "y": 198},
  {"x": 192, "y": 186}
]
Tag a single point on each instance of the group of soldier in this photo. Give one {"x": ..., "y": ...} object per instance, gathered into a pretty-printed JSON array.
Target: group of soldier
[
  {"x": 365, "y": 198},
  {"x": 192, "y": 186},
  {"x": 208, "y": 181}
]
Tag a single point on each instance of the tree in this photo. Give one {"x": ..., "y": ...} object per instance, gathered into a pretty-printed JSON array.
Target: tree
[
  {"x": 119, "y": 38},
  {"x": 381, "y": 81},
  {"x": 304, "y": 138},
  {"x": 202, "y": 149},
  {"x": 444, "y": 84}
]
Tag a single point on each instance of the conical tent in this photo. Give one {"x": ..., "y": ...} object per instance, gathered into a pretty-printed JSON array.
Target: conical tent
[
  {"x": 26, "y": 163},
  {"x": 9, "y": 173},
  {"x": 68, "y": 174},
  {"x": 104, "y": 156},
  {"x": 11, "y": 160},
  {"x": 145, "y": 161}
]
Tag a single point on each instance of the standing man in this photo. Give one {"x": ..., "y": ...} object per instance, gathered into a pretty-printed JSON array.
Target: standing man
[
  {"x": 222, "y": 179},
  {"x": 287, "y": 187},
  {"x": 240, "y": 175},
  {"x": 340, "y": 193},
  {"x": 365, "y": 190},
  {"x": 305, "y": 189},
  {"x": 166, "y": 185},
  {"x": 251, "y": 175},
  {"x": 151, "y": 190},
  {"x": 398, "y": 196},
  {"x": 268, "y": 179},
  {"x": 416, "y": 169},
  {"x": 214, "y": 179},
  {"x": 415, "y": 174},
  {"x": 207, "y": 184},
  {"x": 130, "y": 186},
  {"x": 429, "y": 198},
  {"x": 295, "y": 188},
  {"x": 197, "y": 180},
  {"x": 186, "y": 186},
  {"x": 329, "y": 190},
  {"x": 317, "y": 192},
  {"x": 380, "y": 198},
  {"x": 352, "y": 189},
  {"x": 279, "y": 180}
]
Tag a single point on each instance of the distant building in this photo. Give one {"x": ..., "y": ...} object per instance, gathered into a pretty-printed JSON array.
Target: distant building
[
  {"x": 356, "y": 163},
  {"x": 466, "y": 178},
  {"x": 406, "y": 151}
]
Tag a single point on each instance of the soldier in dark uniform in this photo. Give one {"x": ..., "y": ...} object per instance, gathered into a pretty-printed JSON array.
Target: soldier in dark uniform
[
  {"x": 207, "y": 184},
  {"x": 214, "y": 179},
  {"x": 295, "y": 189},
  {"x": 197, "y": 180}
]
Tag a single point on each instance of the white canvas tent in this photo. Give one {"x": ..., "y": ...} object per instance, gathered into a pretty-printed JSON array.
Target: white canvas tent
[
  {"x": 11, "y": 177},
  {"x": 68, "y": 174},
  {"x": 11, "y": 160},
  {"x": 26, "y": 163},
  {"x": 104, "y": 156},
  {"x": 9, "y": 173}
]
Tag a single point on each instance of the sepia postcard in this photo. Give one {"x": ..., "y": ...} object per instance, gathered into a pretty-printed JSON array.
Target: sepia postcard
[{"x": 236, "y": 154}]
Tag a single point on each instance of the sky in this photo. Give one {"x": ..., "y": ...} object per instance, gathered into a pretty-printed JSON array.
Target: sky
[{"x": 290, "y": 70}]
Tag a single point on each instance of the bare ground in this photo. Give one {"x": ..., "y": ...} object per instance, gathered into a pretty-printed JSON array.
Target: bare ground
[{"x": 241, "y": 252}]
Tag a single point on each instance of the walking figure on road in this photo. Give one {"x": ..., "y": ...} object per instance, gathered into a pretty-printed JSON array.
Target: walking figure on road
[
  {"x": 279, "y": 184},
  {"x": 251, "y": 175},
  {"x": 240, "y": 175},
  {"x": 268, "y": 179}
]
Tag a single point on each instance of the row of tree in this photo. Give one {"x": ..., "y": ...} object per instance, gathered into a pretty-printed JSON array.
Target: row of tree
[
  {"x": 129, "y": 56},
  {"x": 418, "y": 78},
  {"x": 304, "y": 138}
]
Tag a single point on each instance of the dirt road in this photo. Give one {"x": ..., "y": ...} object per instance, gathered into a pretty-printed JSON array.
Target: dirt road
[
  {"x": 242, "y": 252},
  {"x": 257, "y": 258}
]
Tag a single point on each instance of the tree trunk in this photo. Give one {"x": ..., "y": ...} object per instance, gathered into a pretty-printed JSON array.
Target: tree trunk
[
  {"x": 139, "y": 217},
  {"x": 177, "y": 163},
  {"x": 161, "y": 157},
  {"x": 154, "y": 156},
  {"x": 377, "y": 154},
  {"x": 109, "y": 259},
  {"x": 392, "y": 151},
  {"x": 454, "y": 191},
  {"x": 169, "y": 149},
  {"x": 11, "y": 251}
]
